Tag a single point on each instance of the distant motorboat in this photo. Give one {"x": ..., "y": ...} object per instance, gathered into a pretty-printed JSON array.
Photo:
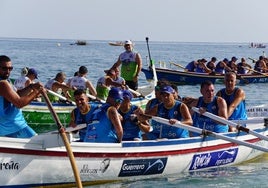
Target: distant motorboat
[
  {"x": 117, "y": 43},
  {"x": 80, "y": 43}
]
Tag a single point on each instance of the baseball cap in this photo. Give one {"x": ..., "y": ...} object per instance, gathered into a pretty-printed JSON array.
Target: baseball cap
[
  {"x": 128, "y": 42},
  {"x": 167, "y": 89},
  {"x": 83, "y": 70},
  {"x": 127, "y": 94},
  {"x": 34, "y": 72},
  {"x": 225, "y": 60},
  {"x": 116, "y": 93},
  {"x": 110, "y": 71},
  {"x": 234, "y": 58}
]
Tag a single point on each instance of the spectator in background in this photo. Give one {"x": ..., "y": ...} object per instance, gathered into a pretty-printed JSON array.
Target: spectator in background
[{"x": 131, "y": 64}]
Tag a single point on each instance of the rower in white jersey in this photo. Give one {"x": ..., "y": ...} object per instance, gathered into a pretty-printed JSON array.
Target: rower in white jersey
[{"x": 81, "y": 82}]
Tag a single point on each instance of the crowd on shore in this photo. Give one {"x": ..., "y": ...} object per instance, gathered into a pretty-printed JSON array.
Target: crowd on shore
[{"x": 117, "y": 118}]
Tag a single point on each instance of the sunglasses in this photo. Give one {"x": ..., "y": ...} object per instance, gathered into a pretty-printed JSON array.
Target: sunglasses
[
  {"x": 118, "y": 101},
  {"x": 157, "y": 88},
  {"x": 7, "y": 68}
]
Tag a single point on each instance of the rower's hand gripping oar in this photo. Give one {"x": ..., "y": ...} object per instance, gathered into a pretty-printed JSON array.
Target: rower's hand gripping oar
[
  {"x": 65, "y": 140},
  {"x": 178, "y": 124},
  {"x": 233, "y": 124}
]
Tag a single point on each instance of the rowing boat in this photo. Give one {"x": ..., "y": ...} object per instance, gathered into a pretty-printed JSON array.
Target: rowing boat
[
  {"x": 192, "y": 78},
  {"x": 40, "y": 119},
  {"x": 43, "y": 161}
]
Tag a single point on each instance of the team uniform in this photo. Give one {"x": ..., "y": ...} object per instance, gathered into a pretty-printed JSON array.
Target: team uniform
[
  {"x": 165, "y": 131},
  {"x": 103, "y": 131},
  {"x": 207, "y": 123},
  {"x": 12, "y": 122}
]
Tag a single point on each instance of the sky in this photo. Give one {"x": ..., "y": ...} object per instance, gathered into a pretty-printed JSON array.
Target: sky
[{"x": 160, "y": 20}]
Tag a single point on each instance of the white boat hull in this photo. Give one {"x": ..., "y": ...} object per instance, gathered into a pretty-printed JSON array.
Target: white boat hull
[{"x": 42, "y": 160}]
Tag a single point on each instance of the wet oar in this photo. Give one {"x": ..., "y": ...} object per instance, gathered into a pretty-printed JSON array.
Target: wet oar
[
  {"x": 233, "y": 124},
  {"x": 60, "y": 96},
  {"x": 210, "y": 133},
  {"x": 65, "y": 140},
  {"x": 178, "y": 65},
  {"x": 135, "y": 92},
  {"x": 256, "y": 71},
  {"x": 95, "y": 98}
]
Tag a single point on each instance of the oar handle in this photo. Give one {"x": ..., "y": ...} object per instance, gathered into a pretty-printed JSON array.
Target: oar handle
[
  {"x": 65, "y": 140},
  {"x": 149, "y": 53},
  {"x": 60, "y": 96},
  {"x": 210, "y": 133},
  {"x": 233, "y": 124},
  {"x": 95, "y": 98}
]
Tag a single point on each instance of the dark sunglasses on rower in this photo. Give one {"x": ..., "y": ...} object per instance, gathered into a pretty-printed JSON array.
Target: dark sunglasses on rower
[
  {"x": 118, "y": 101},
  {"x": 7, "y": 68}
]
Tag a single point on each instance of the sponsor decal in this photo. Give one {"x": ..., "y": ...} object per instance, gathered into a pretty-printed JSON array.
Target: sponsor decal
[
  {"x": 142, "y": 167},
  {"x": 103, "y": 167},
  {"x": 11, "y": 165},
  {"x": 217, "y": 158}
]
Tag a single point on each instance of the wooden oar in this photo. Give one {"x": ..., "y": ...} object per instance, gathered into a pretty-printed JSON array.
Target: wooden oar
[
  {"x": 255, "y": 71},
  {"x": 253, "y": 60},
  {"x": 65, "y": 140},
  {"x": 152, "y": 65},
  {"x": 233, "y": 124},
  {"x": 136, "y": 93},
  {"x": 210, "y": 133},
  {"x": 60, "y": 96},
  {"x": 178, "y": 65},
  {"x": 95, "y": 98}
]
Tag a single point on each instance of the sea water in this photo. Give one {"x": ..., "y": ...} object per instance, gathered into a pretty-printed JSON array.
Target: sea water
[{"x": 52, "y": 56}]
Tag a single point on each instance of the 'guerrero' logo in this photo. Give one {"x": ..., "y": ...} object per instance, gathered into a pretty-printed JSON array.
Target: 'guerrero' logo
[{"x": 142, "y": 167}]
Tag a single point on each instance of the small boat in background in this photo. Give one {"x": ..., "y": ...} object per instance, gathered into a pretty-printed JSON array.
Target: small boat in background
[
  {"x": 80, "y": 43},
  {"x": 257, "y": 45},
  {"x": 117, "y": 43}
]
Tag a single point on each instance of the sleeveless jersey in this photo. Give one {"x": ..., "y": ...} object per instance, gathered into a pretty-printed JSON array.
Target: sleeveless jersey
[
  {"x": 129, "y": 66},
  {"x": 240, "y": 112},
  {"x": 11, "y": 117},
  {"x": 199, "y": 69},
  {"x": 219, "y": 69},
  {"x": 165, "y": 131},
  {"x": 190, "y": 66},
  {"x": 207, "y": 123},
  {"x": 130, "y": 129},
  {"x": 102, "y": 89},
  {"x": 51, "y": 97},
  {"x": 103, "y": 131},
  {"x": 84, "y": 118},
  {"x": 78, "y": 82},
  {"x": 20, "y": 82}
]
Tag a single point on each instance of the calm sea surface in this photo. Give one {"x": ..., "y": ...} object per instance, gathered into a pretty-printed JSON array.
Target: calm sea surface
[{"x": 52, "y": 56}]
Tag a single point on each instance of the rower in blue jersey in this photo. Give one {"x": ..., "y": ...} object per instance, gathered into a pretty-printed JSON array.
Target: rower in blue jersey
[
  {"x": 109, "y": 128},
  {"x": 12, "y": 122},
  {"x": 208, "y": 102},
  {"x": 83, "y": 112},
  {"x": 234, "y": 97},
  {"x": 132, "y": 127},
  {"x": 174, "y": 111}
]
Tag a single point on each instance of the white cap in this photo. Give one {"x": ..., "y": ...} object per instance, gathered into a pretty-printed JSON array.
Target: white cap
[{"x": 128, "y": 42}]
